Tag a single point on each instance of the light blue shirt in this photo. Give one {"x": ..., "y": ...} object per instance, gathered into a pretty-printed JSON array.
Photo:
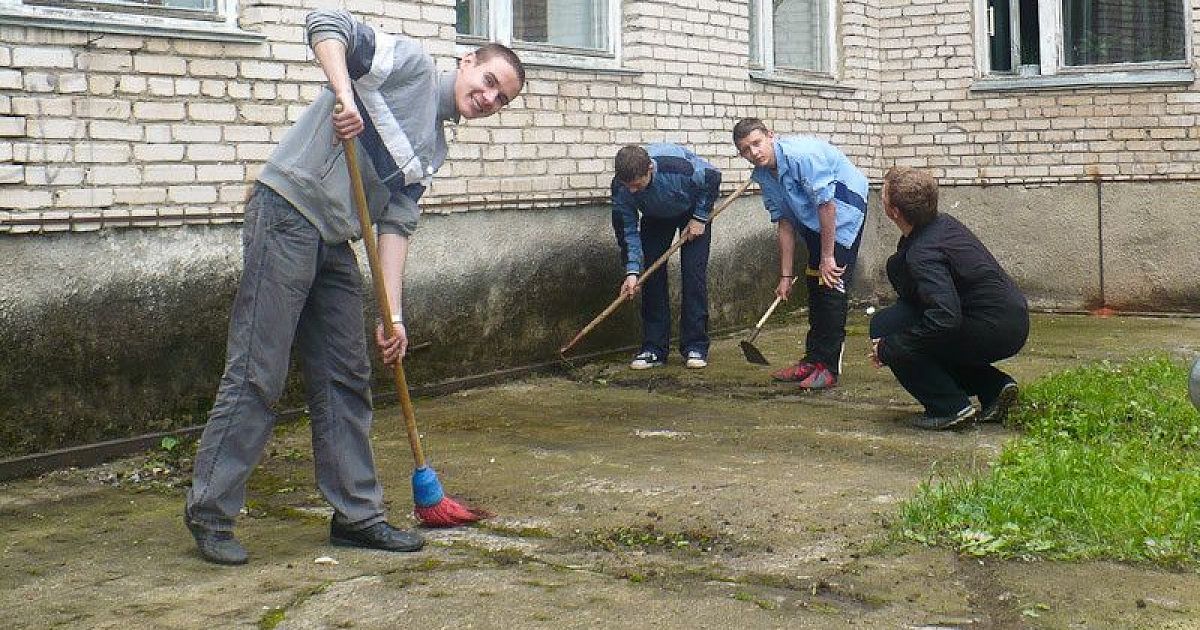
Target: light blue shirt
[{"x": 809, "y": 173}]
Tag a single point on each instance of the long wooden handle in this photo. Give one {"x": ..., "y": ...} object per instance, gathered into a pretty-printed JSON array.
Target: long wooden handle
[
  {"x": 762, "y": 320},
  {"x": 662, "y": 260},
  {"x": 381, "y": 296}
]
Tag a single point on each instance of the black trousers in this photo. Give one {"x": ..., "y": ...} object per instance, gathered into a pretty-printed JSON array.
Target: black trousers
[
  {"x": 827, "y": 306},
  {"x": 944, "y": 379}
]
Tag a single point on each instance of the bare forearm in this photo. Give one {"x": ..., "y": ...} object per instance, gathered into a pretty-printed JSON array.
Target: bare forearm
[
  {"x": 331, "y": 54},
  {"x": 786, "y": 236},
  {"x": 393, "y": 252},
  {"x": 827, "y": 213}
]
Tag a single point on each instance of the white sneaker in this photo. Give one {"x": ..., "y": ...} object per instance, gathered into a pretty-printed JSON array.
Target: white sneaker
[
  {"x": 696, "y": 360},
  {"x": 646, "y": 360}
]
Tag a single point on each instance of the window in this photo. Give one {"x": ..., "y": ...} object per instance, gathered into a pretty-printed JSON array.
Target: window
[
  {"x": 1045, "y": 37},
  {"x": 792, "y": 36},
  {"x": 552, "y": 27},
  {"x": 191, "y": 19},
  {"x": 189, "y": 8}
]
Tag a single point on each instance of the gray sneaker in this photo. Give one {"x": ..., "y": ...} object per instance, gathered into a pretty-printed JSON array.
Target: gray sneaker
[
  {"x": 998, "y": 410},
  {"x": 695, "y": 360},
  {"x": 941, "y": 423},
  {"x": 646, "y": 360},
  {"x": 214, "y": 546}
]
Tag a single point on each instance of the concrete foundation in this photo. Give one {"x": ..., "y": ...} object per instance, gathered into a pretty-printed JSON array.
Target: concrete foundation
[{"x": 118, "y": 333}]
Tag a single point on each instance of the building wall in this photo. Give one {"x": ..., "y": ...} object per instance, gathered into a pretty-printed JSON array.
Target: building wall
[{"x": 124, "y": 160}]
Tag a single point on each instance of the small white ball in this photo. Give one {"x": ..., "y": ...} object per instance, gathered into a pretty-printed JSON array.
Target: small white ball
[{"x": 870, "y": 310}]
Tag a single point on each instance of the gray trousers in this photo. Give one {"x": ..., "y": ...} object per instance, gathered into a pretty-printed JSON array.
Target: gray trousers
[{"x": 294, "y": 288}]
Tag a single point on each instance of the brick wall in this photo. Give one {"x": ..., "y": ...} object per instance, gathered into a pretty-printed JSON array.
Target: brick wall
[
  {"x": 932, "y": 119},
  {"x": 100, "y": 129},
  {"x": 118, "y": 130}
]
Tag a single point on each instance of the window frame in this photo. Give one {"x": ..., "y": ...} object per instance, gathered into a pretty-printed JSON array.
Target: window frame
[
  {"x": 222, "y": 25},
  {"x": 763, "y": 64},
  {"x": 1053, "y": 73},
  {"x": 500, "y": 30}
]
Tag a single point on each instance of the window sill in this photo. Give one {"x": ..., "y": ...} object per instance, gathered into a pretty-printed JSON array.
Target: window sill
[
  {"x": 602, "y": 63},
  {"x": 124, "y": 24},
  {"x": 1135, "y": 78},
  {"x": 826, "y": 83}
]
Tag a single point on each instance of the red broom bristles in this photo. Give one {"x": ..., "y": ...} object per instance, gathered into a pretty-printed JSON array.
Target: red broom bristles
[{"x": 449, "y": 513}]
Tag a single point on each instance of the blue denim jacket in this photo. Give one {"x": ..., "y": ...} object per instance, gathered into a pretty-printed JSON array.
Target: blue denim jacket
[
  {"x": 682, "y": 183},
  {"x": 809, "y": 173}
]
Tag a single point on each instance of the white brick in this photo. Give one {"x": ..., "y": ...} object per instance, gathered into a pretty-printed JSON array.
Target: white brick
[
  {"x": 14, "y": 199},
  {"x": 139, "y": 196},
  {"x": 211, "y": 153},
  {"x": 10, "y": 79},
  {"x": 102, "y": 108},
  {"x": 192, "y": 194},
  {"x": 262, "y": 70},
  {"x": 55, "y": 128},
  {"x": 220, "y": 173},
  {"x": 158, "y": 152},
  {"x": 54, "y": 174},
  {"x": 37, "y": 153},
  {"x": 102, "y": 85},
  {"x": 212, "y": 68},
  {"x": 42, "y": 57},
  {"x": 105, "y": 62},
  {"x": 218, "y": 112},
  {"x": 160, "y": 86},
  {"x": 132, "y": 84},
  {"x": 195, "y": 133},
  {"x": 12, "y": 174},
  {"x": 83, "y": 198},
  {"x": 159, "y": 111},
  {"x": 159, "y": 64},
  {"x": 168, "y": 173},
  {"x": 101, "y": 152},
  {"x": 39, "y": 82},
  {"x": 114, "y": 175},
  {"x": 38, "y": 107},
  {"x": 113, "y": 130}
]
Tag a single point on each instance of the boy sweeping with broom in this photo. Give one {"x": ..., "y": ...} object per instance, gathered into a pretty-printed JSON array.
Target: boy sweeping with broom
[
  {"x": 658, "y": 191},
  {"x": 301, "y": 281}
]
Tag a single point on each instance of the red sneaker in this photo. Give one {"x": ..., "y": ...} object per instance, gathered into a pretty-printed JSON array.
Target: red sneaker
[
  {"x": 792, "y": 373},
  {"x": 819, "y": 378}
]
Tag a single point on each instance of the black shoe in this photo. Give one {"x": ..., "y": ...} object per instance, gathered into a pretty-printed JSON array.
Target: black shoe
[
  {"x": 216, "y": 547},
  {"x": 381, "y": 536},
  {"x": 941, "y": 423},
  {"x": 998, "y": 410}
]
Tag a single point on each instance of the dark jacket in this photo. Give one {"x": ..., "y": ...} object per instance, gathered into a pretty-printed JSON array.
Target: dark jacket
[{"x": 945, "y": 272}]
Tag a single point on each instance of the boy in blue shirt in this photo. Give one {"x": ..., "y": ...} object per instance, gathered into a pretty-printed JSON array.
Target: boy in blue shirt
[
  {"x": 812, "y": 190},
  {"x": 673, "y": 190}
]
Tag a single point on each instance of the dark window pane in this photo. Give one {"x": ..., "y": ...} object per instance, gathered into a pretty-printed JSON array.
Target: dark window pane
[
  {"x": 1000, "y": 43},
  {"x": 1122, "y": 31},
  {"x": 472, "y": 17},
  {"x": 570, "y": 23}
]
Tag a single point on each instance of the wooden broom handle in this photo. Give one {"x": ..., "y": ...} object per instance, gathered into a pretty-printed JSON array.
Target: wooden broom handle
[{"x": 381, "y": 294}]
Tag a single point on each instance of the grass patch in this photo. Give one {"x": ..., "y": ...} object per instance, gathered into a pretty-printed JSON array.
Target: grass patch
[{"x": 1108, "y": 467}]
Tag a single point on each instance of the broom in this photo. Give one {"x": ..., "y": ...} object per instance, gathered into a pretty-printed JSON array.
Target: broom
[
  {"x": 431, "y": 505},
  {"x": 662, "y": 260}
]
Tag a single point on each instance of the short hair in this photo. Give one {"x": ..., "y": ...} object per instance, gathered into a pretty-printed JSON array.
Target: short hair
[
  {"x": 492, "y": 49},
  {"x": 747, "y": 126},
  {"x": 631, "y": 163},
  {"x": 913, "y": 192}
]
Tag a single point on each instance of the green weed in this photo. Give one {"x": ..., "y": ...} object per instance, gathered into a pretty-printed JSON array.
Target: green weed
[{"x": 1108, "y": 467}]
